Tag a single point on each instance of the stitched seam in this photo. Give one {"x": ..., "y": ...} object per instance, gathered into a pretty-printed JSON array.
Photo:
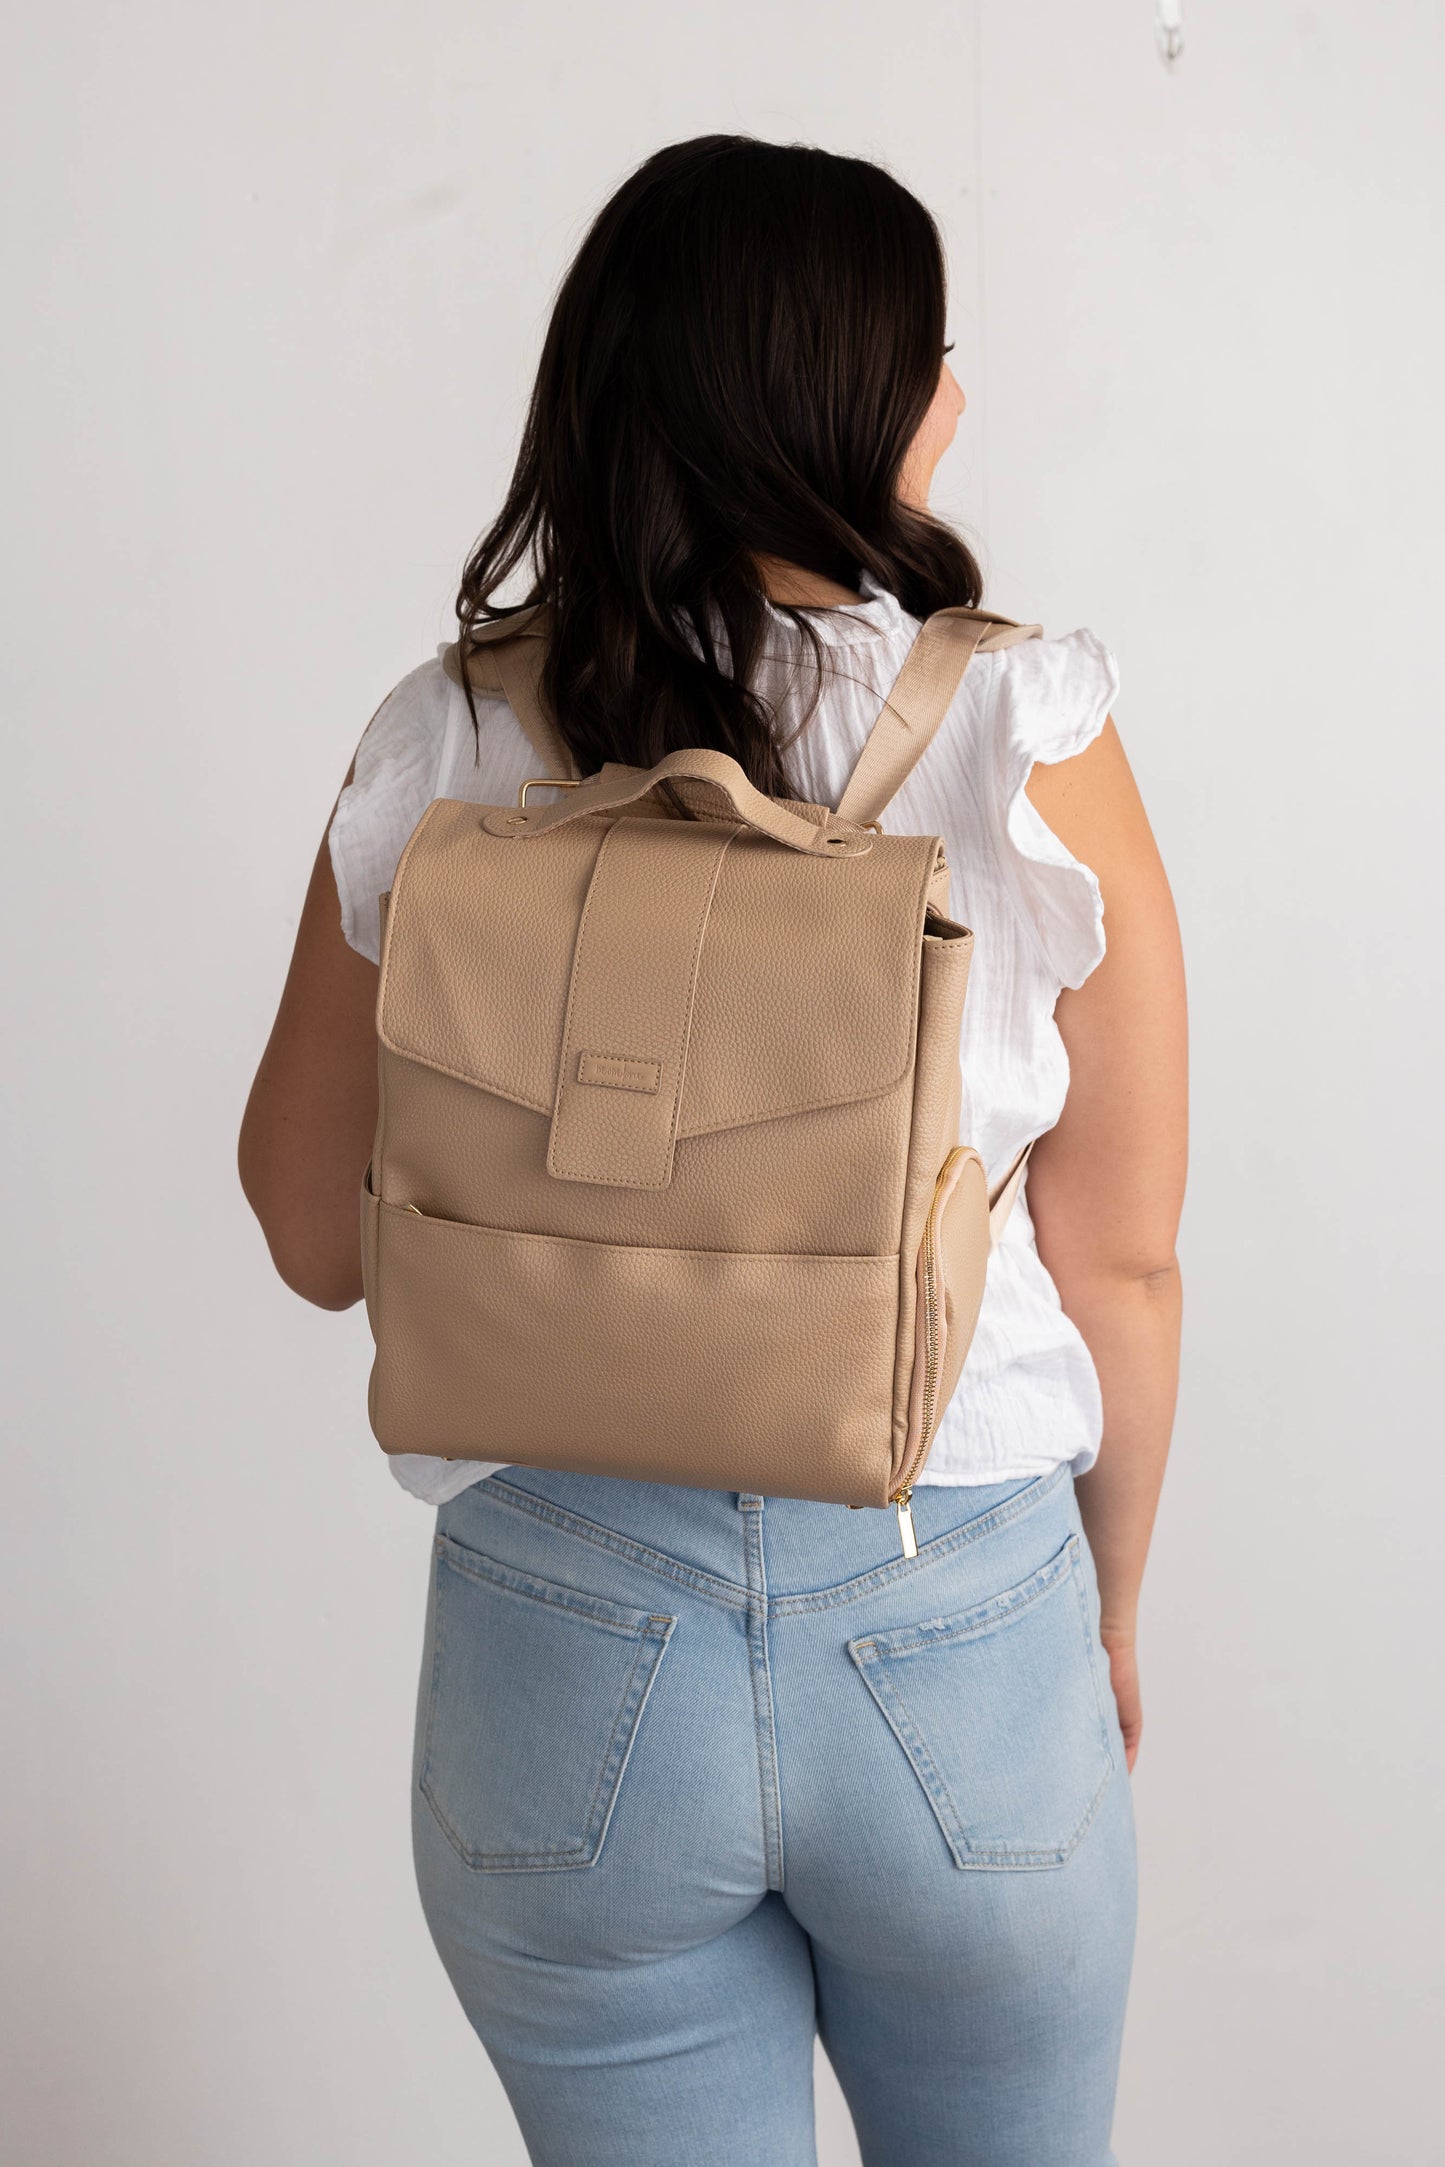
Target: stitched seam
[
  {"x": 640, "y": 1249},
  {"x": 684, "y": 1028},
  {"x": 555, "y": 1855},
  {"x": 983, "y": 1619},
  {"x": 809, "y": 1106},
  {"x": 869, "y": 1658},
  {"x": 569, "y": 1046},
  {"x": 602, "y": 1538},
  {"x": 652, "y": 1646},
  {"x": 896, "y": 1715},
  {"x": 764, "y": 1721},
  {"x": 602, "y": 1181},
  {"x": 936, "y": 1551},
  {"x": 625, "y": 1714},
  {"x": 609, "y": 1617},
  {"x": 515, "y": 1097},
  {"x": 406, "y": 1052},
  {"x": 468, "y": 1855},
  {"x": 872, "y": 1654},
  {"x": 397, "y": 879},
  {"x": 641, "y": 1686},
  {"x": 424, "y": 1783},
  {"x": 582, "y": 1170},
  {"x": 907, "y": 1266},
  {"x": 623, "y": 1060},
  {"x": 1001, "y": 1856},
  {"x": 728, "y": 1592},
  {"x": 433, "y": 1691}
]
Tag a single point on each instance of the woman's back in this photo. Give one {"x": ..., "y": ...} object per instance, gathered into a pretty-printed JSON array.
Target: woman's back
[
  {"x": 1028, "y": 1397},
  {"x": 701, "y": 1771}
]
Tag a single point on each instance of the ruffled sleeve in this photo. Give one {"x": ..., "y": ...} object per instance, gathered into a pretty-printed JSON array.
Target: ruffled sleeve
[
  {"x": 1050, "y": 698},
  {"x": 398, "y": 765}
]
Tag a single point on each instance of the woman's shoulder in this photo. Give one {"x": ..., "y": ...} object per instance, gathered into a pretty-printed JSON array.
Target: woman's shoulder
[
  {"x": 418, "y": 745},
  {"x": 1049, "y": 697},
  {"x": 1043, "y": 700},
  {"x": 1040, "y": 698},
  {"x": 408, "y": 728}
]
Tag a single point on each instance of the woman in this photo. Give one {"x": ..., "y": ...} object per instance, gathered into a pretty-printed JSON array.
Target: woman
[{"x": 881, "y": 1798}]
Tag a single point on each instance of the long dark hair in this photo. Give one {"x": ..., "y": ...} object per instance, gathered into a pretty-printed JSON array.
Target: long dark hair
[{"x": 737, "y": 362}]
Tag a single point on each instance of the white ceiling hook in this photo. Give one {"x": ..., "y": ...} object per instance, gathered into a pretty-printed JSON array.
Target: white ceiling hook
[{"x": 1169, "y": 29}]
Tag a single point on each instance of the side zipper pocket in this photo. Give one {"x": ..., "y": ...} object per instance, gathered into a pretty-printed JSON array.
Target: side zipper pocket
[{"x": 952, "y": 1260}]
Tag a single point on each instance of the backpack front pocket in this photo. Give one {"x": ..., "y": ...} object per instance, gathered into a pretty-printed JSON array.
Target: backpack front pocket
[
  {"x": 999, "y": 1710},
  {"x": 715, "y": 1368},
  {"x": 537, "y": 1694}
]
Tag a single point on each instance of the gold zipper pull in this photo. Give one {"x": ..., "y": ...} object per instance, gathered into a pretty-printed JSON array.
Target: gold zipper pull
[{"x": 906, "y": 1534}]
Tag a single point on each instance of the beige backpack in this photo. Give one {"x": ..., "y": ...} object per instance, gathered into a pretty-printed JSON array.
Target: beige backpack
[{"x": 667, "y": 1180}]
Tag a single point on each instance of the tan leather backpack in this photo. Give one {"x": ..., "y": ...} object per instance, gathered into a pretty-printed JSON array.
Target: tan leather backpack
[{"x": 667, "y": 1180}]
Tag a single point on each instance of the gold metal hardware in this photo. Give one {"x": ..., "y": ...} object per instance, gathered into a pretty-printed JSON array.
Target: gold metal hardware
[
  {"x": 548, "y": 782},
  {"x": 906, "y": 1533}
]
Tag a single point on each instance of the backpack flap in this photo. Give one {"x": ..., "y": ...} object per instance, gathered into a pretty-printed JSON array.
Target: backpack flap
[{"x": 641, "y": 982}]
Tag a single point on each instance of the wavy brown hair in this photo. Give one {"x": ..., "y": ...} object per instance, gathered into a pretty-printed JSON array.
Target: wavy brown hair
[{"x": 736, "y": 364}]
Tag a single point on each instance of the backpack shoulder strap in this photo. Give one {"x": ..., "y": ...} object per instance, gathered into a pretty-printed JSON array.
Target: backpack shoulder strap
[
  {"x": 506, "y": 656},
  {"x": 1001, "y": 1203},
  {"x": 918, "y": 701}
]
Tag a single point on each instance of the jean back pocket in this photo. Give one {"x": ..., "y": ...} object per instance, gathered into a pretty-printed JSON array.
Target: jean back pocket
[
  {"x": 537, "y": 1692},
  {"x": 1000, "y": 1711}
]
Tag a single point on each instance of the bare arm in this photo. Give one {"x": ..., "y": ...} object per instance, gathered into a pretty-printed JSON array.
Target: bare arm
[
  {"x": 309, "y": 1122},
  {"x": 1106, "y": 1185}
]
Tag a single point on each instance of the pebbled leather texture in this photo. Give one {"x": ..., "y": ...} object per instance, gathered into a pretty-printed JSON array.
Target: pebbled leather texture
[
  {"x": 726, "y": 1370},
  {"x": 801, "y": 995},
  {"x": 630, "y": 1002},
  {"x": 663, "y": 1106}
]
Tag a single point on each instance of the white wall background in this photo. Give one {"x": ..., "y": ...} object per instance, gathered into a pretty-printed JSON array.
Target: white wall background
[{"x": 278, "y": 276}]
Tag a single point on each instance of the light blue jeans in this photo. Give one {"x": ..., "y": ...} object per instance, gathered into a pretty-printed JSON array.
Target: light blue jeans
[{"x": 698, "y": 1774}]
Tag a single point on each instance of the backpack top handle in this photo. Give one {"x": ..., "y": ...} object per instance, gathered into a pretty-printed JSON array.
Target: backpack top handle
[{"x": 726, "y": 794}]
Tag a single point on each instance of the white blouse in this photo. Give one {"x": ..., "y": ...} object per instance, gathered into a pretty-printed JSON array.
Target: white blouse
[{"x": 1028, "y": 1397}]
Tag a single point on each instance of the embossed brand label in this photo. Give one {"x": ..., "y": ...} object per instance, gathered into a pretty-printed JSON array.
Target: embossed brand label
[{"x": 619, "y": 1072}]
